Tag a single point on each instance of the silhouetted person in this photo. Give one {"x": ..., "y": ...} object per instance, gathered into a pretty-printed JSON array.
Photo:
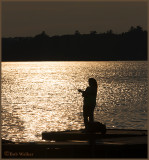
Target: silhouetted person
[{"x": 89, "y": 101}]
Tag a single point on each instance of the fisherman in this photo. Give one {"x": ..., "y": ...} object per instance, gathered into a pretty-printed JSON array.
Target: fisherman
[{"x": 89, "y": 95}]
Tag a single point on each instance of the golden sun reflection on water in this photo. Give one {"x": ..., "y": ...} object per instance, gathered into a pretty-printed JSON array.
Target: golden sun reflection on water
[{"x": 43, "y": 96}]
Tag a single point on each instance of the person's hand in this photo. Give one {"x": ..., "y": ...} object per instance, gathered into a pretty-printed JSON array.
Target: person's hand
[{"x": 79, "y": 90}]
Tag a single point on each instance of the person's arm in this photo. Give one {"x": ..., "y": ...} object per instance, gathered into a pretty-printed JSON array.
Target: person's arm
[
  {"x": 84, "y": 93},
  {"x": 79, "y": 90}
]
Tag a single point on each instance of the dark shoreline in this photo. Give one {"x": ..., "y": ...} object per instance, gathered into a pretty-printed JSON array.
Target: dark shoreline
[{"x": 127, "y": 46}]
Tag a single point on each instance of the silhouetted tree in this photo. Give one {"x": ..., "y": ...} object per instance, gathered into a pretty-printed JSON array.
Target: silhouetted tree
[
  {"x": 132, "y": 29},
  {"x": 77, "y": 32},
  {"x": 93, "y": 32},
  {"x": 42, "y": 35},
  {"x": 110, "y": 32},
  {"x": 137, "y": 29}
]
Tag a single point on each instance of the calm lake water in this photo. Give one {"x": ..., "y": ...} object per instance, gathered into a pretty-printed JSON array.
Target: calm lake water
[{"x": 43, "y": 96}]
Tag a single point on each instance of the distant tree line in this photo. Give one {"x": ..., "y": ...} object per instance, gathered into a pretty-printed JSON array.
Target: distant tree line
[{"x": 130, "y": 45}]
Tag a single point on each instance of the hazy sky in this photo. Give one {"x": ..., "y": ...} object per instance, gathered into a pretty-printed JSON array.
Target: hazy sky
[{"x": 58, "y": 18}]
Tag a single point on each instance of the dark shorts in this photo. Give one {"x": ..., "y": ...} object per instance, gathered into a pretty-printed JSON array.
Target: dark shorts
[{"x": 88, "y": 110}]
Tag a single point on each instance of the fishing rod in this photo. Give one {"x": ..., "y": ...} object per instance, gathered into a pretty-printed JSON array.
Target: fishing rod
[{"x": 77, "y": 101}]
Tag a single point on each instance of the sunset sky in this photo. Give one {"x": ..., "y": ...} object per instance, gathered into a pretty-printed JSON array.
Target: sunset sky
[{"x": 59, "y": 18}]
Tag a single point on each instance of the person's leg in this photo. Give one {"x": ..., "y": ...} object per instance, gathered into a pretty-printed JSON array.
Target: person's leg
[
  {"x": 91, "y": 116},
  {"x": 85, "y": 120},
  {"x": 85, "y": 116}
]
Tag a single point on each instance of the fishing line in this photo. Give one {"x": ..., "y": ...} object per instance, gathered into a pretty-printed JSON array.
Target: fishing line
[{"x": 76, "y": 99}]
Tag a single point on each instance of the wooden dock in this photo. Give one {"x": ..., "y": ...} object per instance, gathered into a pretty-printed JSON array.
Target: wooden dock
[
  {"x": 80, "y": 135},
  {"x": 75, "y": 144}
]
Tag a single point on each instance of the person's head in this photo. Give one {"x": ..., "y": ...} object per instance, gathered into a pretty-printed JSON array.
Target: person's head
[{"x": 92, "y": 82}]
